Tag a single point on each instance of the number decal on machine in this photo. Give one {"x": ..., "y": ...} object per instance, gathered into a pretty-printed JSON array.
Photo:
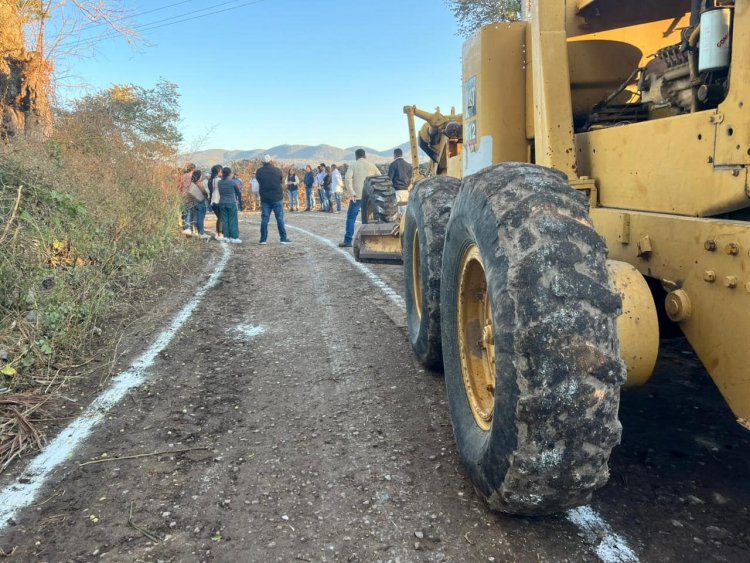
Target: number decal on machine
[{"x": 471, "y": 97}]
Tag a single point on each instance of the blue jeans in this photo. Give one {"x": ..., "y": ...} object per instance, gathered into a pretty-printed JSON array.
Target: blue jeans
[
  {"x": 278, "y": 210},
  {"x": 200, "y": 217},
  {"x": 228, "y": 215},
  {"x": 338, "y": 202},
  {"x": 351, "y": 220},
  {"x": 188, "y": 214},
  {"x": 293, "y": 199},
  {"x": 219, "y": 226},
  {"x": 329, "y": 198},
  {"x": 309, "y": 195}
]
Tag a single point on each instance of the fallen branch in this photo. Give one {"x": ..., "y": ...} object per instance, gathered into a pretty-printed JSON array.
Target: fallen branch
[
  {"x": 12, "y": 215},
  {"x": 106, "y": 459},
  {"x": 153, "y": 537}
]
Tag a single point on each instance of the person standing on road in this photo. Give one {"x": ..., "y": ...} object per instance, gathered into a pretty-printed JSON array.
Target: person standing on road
[
  {"x": 239, "y": 187},
  {"x": 309, "y": 183},
  {"x": 319, "y": 180},
  {"x": 255, "y": 188},
  {"x": 327, "y": 189},
  {"x": 188, "y": 203},
  {"x": 354, "y": 184},
  {"x": 400, "y": 172},
  {"x": 228, "y": 206},
  {"x": 271, "y": 199},
  {"x": 337, "y": 187},
  {"x": 199, "y": 193},
  {"x": 292, "y": 185},
  {"x": 213, "y": 181}
]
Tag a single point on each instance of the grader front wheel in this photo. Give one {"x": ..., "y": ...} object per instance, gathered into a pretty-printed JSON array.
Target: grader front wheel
[
  {"x": 426, "y": 218},
  {"x": 379, "y": 201},
  {"x": 529, "y": 340}
]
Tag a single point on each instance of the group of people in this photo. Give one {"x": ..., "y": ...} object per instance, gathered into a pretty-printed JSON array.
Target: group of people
[
  {"x": 222, "y": 192},
  {"x": 326, "y": 184}
]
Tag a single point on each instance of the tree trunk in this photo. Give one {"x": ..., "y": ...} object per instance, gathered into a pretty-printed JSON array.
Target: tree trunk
[
  {"x": 24, "y": 105},
  {"x": 24, "y": 80}
]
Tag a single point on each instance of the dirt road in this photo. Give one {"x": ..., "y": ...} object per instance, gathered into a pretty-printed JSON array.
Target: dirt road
[{"x": 313, "y": 435}]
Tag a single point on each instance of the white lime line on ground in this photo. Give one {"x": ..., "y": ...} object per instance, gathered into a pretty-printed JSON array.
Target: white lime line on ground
[
  {"x": 394, "y": 297},
  {"x": 612, "y": 547},
  {"x": 22, "y": 492},
  {"x": 248, "y": 331}
]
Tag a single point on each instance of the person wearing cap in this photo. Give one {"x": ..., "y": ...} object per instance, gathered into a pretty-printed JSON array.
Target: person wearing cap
[
  {"x": 354, "y": 184},
  {"x": 271, "y": 199}
]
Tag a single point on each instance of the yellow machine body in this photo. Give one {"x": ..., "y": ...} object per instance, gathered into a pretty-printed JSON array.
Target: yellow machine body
[{"x": 668, "y": 189}]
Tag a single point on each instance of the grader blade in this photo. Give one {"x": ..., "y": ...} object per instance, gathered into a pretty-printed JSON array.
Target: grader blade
[{"x": 378, "y": 242}]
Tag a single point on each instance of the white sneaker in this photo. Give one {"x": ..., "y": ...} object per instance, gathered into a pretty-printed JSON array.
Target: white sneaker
[
  {"x": 235, "y": 241},
  {"x": 187, "y": 232},
  {"x": 262, "y": 242},
  {"x": 204, "y": 236},
  {"x": 286, "y": 242}
]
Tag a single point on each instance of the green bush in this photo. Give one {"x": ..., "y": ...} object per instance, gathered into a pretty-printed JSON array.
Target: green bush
[{"x": 84, "y": 217}]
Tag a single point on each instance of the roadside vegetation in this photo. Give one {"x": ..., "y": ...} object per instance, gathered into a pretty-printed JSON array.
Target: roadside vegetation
[{"x": 85, "y": 215}]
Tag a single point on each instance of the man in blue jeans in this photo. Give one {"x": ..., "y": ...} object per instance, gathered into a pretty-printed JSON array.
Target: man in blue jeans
[
  {"x": 353, "y": 184},
  {"x": 269, "y": 179},
  {"x": 309, "y": 183}
]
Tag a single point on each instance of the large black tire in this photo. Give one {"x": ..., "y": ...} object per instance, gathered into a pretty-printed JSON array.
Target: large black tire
[
  {"x": 427, "y": 215},
  {"x": 557, "y": 371},
  {"x": 379, "y": 203}
]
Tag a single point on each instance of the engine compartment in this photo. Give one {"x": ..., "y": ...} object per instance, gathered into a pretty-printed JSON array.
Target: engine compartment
[{"x": 684, "y": 77}]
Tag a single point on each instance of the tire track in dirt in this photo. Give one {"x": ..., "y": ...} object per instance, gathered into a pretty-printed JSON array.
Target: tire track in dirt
[
  {"x": 349, "y": 459},
  {"x": 23, "y": 492},
  {"x": 612, "y": 547}
]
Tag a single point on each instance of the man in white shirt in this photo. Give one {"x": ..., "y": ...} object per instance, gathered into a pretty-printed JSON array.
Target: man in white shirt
[
  {"x": 355, "y": 182},
  {"x": 337, "y": 187}
]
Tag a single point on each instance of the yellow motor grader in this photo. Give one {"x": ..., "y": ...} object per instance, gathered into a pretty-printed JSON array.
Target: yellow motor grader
[
  {"x": 602, "y": 193},
  {"x": 378, "y": 239}
]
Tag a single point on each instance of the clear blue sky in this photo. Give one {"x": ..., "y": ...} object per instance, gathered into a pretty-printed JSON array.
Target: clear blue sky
[{"x": 289, "y": 71}]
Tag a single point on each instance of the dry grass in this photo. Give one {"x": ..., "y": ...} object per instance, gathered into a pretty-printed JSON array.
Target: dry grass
[
  {"x": 18, "y": 431},
  {"x": 81, "y": 230}
]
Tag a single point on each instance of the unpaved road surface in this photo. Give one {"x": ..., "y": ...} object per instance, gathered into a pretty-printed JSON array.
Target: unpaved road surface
[{"x": 315, "y": 436}]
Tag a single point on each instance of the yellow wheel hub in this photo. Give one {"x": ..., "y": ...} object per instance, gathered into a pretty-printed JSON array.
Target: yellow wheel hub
[
  {"x": 476, "y": 338},
  {"x": 416, "y": 275}
]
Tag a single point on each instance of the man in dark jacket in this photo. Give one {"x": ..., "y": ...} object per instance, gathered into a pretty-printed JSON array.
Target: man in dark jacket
[
  {"x": 400, "y": 172},
  {"x": 309, "y": 183},
  {"x": 271, "y": 199}
]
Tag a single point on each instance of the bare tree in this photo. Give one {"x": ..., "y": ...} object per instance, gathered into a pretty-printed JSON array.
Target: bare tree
[
  {"x": 473, "y": 14},
  {"x": 73, "y": 18},
  {"x": 27, "y": 53}
]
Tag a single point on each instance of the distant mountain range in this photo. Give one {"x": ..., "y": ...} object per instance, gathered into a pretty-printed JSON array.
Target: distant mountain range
[{"x": 298, "y": 154}]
